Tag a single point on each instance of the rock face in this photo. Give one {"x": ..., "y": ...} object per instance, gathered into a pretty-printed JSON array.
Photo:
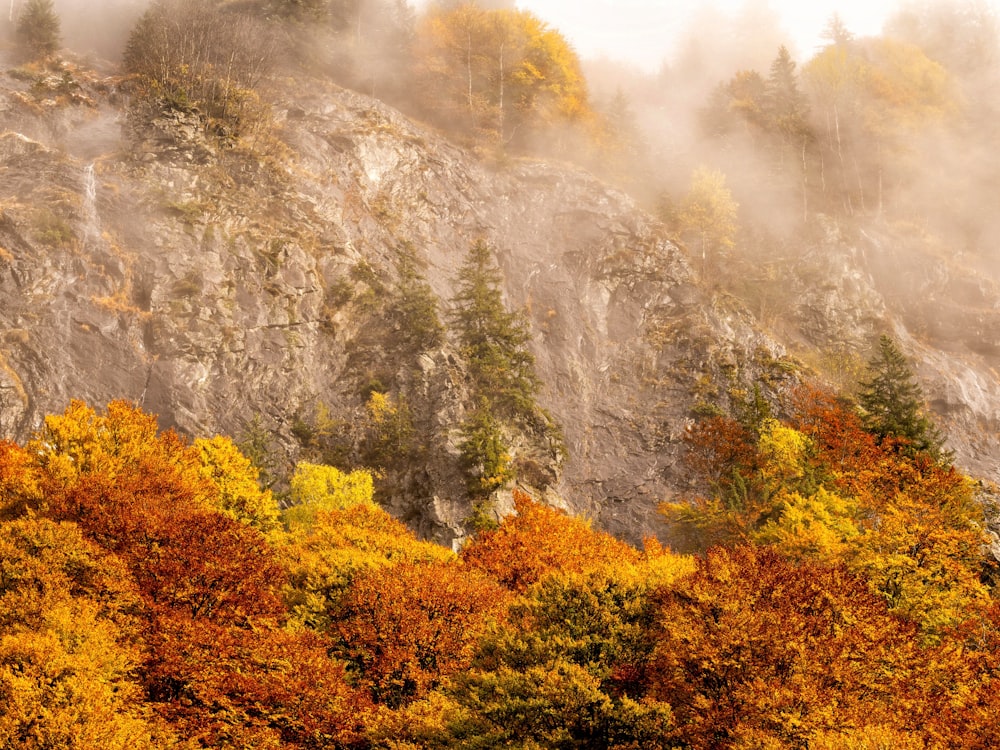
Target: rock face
[
  {"x": 222, "y": 287},
  {"x": 218, "y": 286}
]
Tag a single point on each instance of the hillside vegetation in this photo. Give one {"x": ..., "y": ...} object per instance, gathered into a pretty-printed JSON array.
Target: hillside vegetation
[
  {"x": 152, "y": 595},
  {"x": 420, "y": 434}
]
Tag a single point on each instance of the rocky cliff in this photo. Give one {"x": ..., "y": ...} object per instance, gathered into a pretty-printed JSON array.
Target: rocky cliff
[{"x": 223, "y": 286}]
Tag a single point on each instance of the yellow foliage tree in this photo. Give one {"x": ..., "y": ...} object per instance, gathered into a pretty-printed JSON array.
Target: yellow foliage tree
[
  {"x": 324, "y": 556},
  {"x": 236, "y": 484},
  {"x": 707, "y": 215},
  {"x": 317, "y": 487},
  {"x": 503, "y": 72},
  {"x": 68, "y": 651},
  {"x": 873, "y": 96}
]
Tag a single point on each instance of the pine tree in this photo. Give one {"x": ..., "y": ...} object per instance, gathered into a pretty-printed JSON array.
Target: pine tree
[
  {"x": 493, "y": 340},
  {"x": 38, "y": 28},
  {"x": 892, "y": 402},
  {"x": 836, "y": 32},
  {"x": 785, "y": 104},
  {"x": 485, "y": 458},
  {"x": 413, "y": 309}
]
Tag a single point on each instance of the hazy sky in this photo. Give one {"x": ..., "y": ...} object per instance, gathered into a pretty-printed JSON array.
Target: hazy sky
[{"x": 642, "y": 31}]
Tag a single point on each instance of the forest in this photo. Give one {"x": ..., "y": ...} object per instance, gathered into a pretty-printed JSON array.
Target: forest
[
  {"x": 824, "y": 581},
  {"x": 834, "y": 592}
]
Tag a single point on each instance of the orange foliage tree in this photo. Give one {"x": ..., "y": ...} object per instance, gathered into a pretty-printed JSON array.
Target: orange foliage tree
[
  {"x": 538, "y": 540},
  {"x": 752, "y": 650},
  {"x": 405, "y": 627},
  {"x": 183, "y": 527},
  {"x": 822, "y": 488}
]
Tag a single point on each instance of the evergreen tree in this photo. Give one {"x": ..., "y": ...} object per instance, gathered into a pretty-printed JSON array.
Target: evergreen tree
[
  {"x": 836, "y": 32},
  {"x": 485, "y": 459},
  {"x": 494, "y": 341},
  {"x": 785, "y": 104},
  {"x": 38, "y": 28},
  {"x": 892, "y": 402},
  {"x": 413, "y": 310}
]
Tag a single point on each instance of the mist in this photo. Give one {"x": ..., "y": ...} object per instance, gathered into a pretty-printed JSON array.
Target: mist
[{"x": 909, "y": 140}]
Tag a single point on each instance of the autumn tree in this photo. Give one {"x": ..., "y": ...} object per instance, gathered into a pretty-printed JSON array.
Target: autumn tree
[
  {"x": 823, "y": 489},
  {"x": 237, "y": 484},
  {"x": 871, "y": 98},
  {"x": 738, "y": 106},
  {"x": 538, "y": 540},
  {"x": 892, "y": 401},
  {"x": 405, "y": 627},
  {"x": 70, "y": 624},
  {"x": 754, "y": 651},
  {"x": 502, "y": 72},
  {"x": 20, "y": 478},
  {"x": 323, "y": 557},
  {"x": 316, "y": 488},
  {"x": 707, "y": 215},
  {"x": 263, "y": 686}
]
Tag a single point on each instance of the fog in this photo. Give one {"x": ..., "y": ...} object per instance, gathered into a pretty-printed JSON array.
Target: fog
[{"x": 676, "y": 88}]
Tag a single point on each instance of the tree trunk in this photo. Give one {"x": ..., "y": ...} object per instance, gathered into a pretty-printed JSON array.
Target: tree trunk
[
  {"x": 468, "y": 68},
  {"x": 805, "y": 183},
  {"x": 500, "y": 123}
]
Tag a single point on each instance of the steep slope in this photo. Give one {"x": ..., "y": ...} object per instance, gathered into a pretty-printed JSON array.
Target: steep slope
[
  {"x": 215, "y": 286},
  {"x": 850, "y": 283}
]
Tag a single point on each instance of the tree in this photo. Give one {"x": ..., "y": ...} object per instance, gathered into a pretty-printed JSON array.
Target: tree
[
  {"x": 142, "y": 495},
  {"x": 70, "y": 618},
  {"x": 252, "y": 687},
  {"x": 493, "y": 341},
  {"x": 892, "y": 402},
  {"x": 405, "y": 627},
  {"x": 413, "y": 310},
  {"x": 503, "y": 72},
  {"x": 38, "y": 28},
  {"x": 538, "y": 540},
  {"x": 485, "y": 459},
  {"x": 786, "y": 105},
  {"x": 836, "y": 32},
  {"x": 316, "y": 488},
  {"x": 707, "y": 214},
  {"x": 873, "y": 96},
  {"x": 753, "y": 651},
  {"x": 551, "y": 674},
  {"x": 323, "y": 558},
  {"x": 189, "y": 54},
  {"x": 236, "y": 480}
]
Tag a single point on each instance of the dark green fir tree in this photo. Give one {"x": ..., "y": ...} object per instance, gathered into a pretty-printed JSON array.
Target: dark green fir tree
[
  {"x": 892, "y": 402},
  {"x": 493, "y": 340}
]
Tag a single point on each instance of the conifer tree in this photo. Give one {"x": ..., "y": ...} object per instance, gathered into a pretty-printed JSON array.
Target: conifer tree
[
  {"x": 413, "y": 310},
  {"x": 892, "y": 401},
  {"x": 493, "y": 340},
  {"x": 38, "y": 28},
  {"x": 786, "y": 105}
]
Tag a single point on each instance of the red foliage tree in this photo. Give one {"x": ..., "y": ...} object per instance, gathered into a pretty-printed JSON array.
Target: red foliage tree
[{"x": 404, "y": 627}]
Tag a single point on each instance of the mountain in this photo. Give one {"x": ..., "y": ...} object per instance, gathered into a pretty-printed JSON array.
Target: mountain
[{"x": 246, "y": 288}]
